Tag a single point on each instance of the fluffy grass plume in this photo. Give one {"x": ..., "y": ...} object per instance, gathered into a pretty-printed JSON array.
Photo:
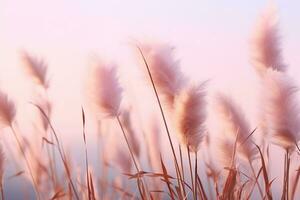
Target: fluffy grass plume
[
  {"x": 233, "y": 125},
  {"x": 35, "y": 68},
  {"x": 7, "y": 111},
  {"x": 165, "y": 70},
  {"x": 281, "y": 109},
  {"x": 103, "y": 90},
  {"x": 265, "y": 43},
  {"x": 190, "y": 115}
]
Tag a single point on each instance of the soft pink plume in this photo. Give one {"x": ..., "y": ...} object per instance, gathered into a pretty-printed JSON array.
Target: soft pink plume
[
  {"x": 7, "y": 111},
  {"x": 164, "y": 69},
  {"x": 35, "y": 68},
  {"x": 281, "y": 109},
  {"x": 190, "y": 115},
  {"x": 266, "y": 50},
  {"x": 233, "y": 126},
  {"x": 103, "y": 90}
]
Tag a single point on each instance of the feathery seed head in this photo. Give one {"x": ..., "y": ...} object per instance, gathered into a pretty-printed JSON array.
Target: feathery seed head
[
  {"x": 103, "y": 90},
  {"x": 266, "y": 50},
  {"x": 190, "y": 115},
  {"x": 35, "y": 68},
  {"x": 281, "y": 109},
  {"x": 7, "y": 111},
  {"x": 164, "y": 69},
  {"x": 234, "y": 126}
]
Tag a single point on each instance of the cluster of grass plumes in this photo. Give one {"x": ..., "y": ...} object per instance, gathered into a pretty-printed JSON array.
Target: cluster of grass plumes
[{"x": 229, "y": 164}]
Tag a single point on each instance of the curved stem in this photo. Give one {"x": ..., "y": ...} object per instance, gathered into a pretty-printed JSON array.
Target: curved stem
[
  {"x": 141, "y": 190},
  {"x": 256, "y": 179},
  {"x": 191, "y": 171},
  {"x": 182, "y": 169},
  {"x": 26, "y": 161},
  {"x": 196, "y": 168},
  {"x": 60, "y": 150},
  {"x": 2, "y": 191},
  {"x": 180, "y": 184}
]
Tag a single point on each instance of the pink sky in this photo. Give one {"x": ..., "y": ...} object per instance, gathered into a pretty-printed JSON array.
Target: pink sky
[{"x": 211, "y": 38}]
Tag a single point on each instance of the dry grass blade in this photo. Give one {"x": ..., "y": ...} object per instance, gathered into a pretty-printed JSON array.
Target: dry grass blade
[
  {"x": 44, "y": 139},
  {"x": 230, "y": 183},
  {"x": 240, "y": 191},
  {"x": 86, "y": 154},
  {"x": 92, "y": 188},
  {"x": 178, "y": 190},
  {"x": 166, "y": 179},
  {"x": 201, "y": 188},
  {"x": 16, "y": 174},
  {"x": 60, "y": 150},
  {"x": 26, "y": 161},
  {"x": 191, "y": 171},
  {"x": 136, "y": 175},
  {"x": 285, "y": 192},
  {"x": 139, "y": 182},
  {"x": 182, "y": 169},
  {"x": 256, "y": 181},
  {"x": 265, "y": 173},
  {"x": 249, "y": 136}
]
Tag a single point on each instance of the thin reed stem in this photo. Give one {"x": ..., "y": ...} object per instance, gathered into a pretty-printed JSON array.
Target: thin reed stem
[
  {"x": 198, "y": 180},
  {"x": 285, "y": 185},
  {"x": 2, "y": 190},
  {"x": 256, "y": 179},
  {"x": 141, "y": 190},
  {"x": 196, "y": 168},
  {"x": 191, "y": 171},
  {"x": 104, "y": 171},
  {"x": 54, "y": 161},
  {"x": 52, "y": 173},
  {"x": 86, "y": 155},
  {"x": 26, "y": 161},
  {"x": 60, "y": 150},
  {"x": 287, "y": 174},
  {"x": 201, "y": 188},
  {"x": 182, "y": 169},
  {"x": 180, "y": 184}
]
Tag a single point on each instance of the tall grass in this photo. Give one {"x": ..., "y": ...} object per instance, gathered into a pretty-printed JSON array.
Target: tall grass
[{"x": 228, "y": 164}]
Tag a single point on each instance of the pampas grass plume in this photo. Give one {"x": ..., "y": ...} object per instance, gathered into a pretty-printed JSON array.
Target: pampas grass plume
[
  {"x": 281, "y": 109},
  {"x": 103, "y": 89},
  {"x": 233, "y": 125},
  {"x": 190, "y": 115},
  {"x": 164, "y": 69},
  {"x": 7, "y": 111},
  {"x": 266, "y": 50},
  {"x": 35, "y": 68}
]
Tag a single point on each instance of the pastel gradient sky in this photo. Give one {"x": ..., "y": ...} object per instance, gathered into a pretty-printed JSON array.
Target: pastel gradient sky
[{"x": 211, "y": 39}]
